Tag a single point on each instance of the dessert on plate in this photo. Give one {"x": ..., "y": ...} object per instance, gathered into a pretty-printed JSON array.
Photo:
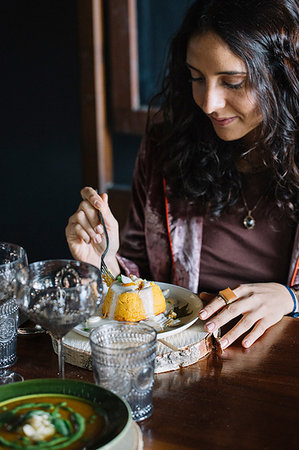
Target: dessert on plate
[{"x": 132, "y": 299}]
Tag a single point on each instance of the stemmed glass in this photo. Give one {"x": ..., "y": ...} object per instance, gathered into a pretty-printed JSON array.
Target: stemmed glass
[
  {"x": 58, "y": 295},
  {"x": 12, "y": 259}
]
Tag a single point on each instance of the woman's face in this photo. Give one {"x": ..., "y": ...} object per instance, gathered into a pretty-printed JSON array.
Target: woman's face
[{"x": 218, "y": 79}]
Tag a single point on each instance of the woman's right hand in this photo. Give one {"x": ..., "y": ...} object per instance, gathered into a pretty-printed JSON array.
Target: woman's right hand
[{"x": 85, "y": 233}]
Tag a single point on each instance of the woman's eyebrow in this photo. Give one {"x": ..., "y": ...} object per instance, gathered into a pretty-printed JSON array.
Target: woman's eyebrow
[
  {"x": 232, "y": 72},
  {"x": 227, "y": 72},
  {"x": 191, "y": 67}
]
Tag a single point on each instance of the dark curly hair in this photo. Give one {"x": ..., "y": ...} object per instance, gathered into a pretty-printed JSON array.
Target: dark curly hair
[{"x": 199, "y": 166}]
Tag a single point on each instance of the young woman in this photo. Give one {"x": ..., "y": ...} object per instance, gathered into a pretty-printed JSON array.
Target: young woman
[{"x": 215, "y": 191}]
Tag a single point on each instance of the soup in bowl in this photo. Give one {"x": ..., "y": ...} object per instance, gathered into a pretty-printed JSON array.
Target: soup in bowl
[{"x": 55, "y": 414}]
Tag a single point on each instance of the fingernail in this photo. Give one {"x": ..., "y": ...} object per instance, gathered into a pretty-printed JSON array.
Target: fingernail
[
  {"x": 97, "y": 204},
  {"x": 97, "y": 239},
  {"x": 210, "y": 326},
  {"x": 223, "y": 343},
  {"x": 203, "y": 314},
  {"x": 98, "y": 229},
  {"x": 247, "y": 343}
]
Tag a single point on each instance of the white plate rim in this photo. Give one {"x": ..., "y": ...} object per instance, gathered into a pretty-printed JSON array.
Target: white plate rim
[{"x": 179, "y": 293}]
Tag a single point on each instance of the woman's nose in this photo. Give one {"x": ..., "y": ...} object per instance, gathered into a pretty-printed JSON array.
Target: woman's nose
[{"x": 213, "y": 100}]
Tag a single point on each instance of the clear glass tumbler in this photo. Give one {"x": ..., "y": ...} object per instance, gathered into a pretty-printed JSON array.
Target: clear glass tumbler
[
  {"x": 8, "y": 333},
  {"x": 12, "y": 259},
  {"x": 123, "y": 357}
]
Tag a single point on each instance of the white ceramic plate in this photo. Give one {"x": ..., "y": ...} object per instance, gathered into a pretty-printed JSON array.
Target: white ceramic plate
[{"x": 181, "y": 297}]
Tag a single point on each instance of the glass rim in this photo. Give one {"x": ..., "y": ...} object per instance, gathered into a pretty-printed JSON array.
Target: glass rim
[
  {"x": 21, "y": 252},
  {"x": 75, "y": 262},
  {"x": 150, "y": 329},
  {"x": 33, "y": 267},
  {"x": 71, "y": 262}
]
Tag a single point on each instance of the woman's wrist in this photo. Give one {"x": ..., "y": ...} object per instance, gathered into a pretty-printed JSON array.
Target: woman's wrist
[
  {"x": 295, "y": 313},
  {"x": 295, "y": 297}
]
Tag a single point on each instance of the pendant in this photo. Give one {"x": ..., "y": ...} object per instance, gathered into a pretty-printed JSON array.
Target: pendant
[{"x": 249, "y": 222}]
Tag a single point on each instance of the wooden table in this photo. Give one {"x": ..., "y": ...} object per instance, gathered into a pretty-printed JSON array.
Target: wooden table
[{"x": 241, "y": 399}]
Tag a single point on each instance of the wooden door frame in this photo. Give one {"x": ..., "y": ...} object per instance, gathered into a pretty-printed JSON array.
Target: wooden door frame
[
  {"x": 127, "y": 113},
  {"x": 109, "y": 83},
  {"x": 96, "y": 147}
]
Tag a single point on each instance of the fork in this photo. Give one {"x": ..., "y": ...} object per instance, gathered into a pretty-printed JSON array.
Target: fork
[
  {"x": 163, "y": 321},
  {"x": 106, "y": 274}
]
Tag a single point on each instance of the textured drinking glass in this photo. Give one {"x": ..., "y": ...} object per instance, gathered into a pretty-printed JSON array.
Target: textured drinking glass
[
  {"x": 59, "y": 294},
  {"x": 123, "y": 358},
  {"x": 12, "y": 259}
]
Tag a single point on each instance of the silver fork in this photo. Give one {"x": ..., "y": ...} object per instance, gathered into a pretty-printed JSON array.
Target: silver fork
[
  {"x": 163, "y": 321},
  {"x": 106, "y": 274}
]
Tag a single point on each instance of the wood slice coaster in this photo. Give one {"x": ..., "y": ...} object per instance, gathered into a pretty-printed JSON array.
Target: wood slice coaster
[{"x": 173, "y": 352}]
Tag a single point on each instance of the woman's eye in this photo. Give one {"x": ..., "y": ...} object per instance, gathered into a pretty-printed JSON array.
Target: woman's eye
[
  {"x": 234, "y": 86},
  {"x": 191, "y": 79}
]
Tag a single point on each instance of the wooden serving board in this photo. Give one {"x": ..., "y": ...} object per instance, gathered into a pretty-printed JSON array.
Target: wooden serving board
[{"x": 176, "y": 351}]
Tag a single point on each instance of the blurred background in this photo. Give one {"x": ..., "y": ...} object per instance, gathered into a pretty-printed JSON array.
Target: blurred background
[
  {"x": 76, "y": 78},
  {"x": 40, "y": 125}
]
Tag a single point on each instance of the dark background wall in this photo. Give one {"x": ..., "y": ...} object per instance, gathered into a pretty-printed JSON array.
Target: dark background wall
[
  {"x": 40, "y": 151},
  {"x": 41, "y": 175}
]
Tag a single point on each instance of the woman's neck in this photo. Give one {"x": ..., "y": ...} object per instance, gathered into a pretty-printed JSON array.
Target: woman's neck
[
  {"x": 249, "y": 158},
  {"x": 249, "y": 155},
  {"x": 250, "y": 163}
]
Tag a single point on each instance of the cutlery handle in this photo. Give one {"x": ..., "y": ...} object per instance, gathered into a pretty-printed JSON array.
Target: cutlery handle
[{"x": 106, "y": 235}]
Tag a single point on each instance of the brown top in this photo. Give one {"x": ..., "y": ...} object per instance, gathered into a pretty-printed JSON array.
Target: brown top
[{"x": 232, "y": 254}]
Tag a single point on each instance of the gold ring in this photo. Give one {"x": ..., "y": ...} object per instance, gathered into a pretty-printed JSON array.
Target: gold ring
[{"x": 227, "y": 295}]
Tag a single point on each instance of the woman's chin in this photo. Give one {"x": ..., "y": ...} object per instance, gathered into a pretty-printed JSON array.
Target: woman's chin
[{"x": 235, "y": 135}]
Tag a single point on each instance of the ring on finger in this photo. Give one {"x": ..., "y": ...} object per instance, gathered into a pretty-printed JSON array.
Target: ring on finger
[{"x": 227, "y": 295}]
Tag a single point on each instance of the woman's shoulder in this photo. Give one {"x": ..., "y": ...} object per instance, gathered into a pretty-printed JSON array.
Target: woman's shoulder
[{"x": 151, "y": 145}]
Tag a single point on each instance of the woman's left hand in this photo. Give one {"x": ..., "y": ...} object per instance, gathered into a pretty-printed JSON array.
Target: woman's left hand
[{"x": 261, "y": 305}]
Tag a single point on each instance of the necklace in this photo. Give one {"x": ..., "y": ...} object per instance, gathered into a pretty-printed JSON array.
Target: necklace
[{"x": 249, "y": 221}]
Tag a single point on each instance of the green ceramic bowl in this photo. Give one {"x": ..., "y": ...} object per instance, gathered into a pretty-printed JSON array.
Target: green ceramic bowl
[{"x": 117, "y": 412}]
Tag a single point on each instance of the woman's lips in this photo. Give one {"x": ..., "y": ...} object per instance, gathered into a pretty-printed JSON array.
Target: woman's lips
[{"x": 223, "y": 122}]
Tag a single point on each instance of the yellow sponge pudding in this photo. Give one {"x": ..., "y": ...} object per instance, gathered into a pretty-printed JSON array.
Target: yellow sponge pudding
[{"x": 133, "y": 299}]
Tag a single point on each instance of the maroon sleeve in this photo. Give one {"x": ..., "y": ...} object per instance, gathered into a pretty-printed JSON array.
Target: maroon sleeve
[{"x": 132, "y": 255}]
